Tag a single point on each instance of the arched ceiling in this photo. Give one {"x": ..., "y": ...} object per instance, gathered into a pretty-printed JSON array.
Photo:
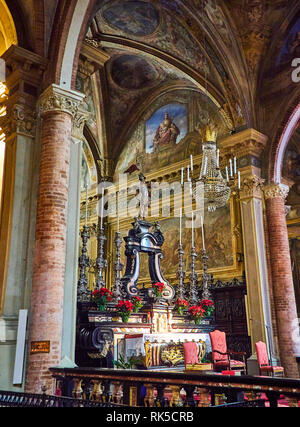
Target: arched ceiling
[
  {"x": 221, "y": 47},
  {"x": 162, "y": 45},
  {"x": 225, "y": 47}
]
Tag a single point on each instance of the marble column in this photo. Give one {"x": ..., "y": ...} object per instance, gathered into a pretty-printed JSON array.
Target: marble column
[
  {"x": 57, "y": 108},
  {"x": 282, "y": 279}
]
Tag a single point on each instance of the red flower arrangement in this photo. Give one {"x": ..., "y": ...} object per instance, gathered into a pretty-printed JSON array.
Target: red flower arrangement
[
  {"x": 197, "y": 312},
  {"x": 125, "y": 308},
  {"x": 181, "y": 304},
  {"x": 208, "y": 306},
  {"x": 158, "y": 288},
  {"x": 101, "y": 297},
  {"x": 137, "y": 303}
]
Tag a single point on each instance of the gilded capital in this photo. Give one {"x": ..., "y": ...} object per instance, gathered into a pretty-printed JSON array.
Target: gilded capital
[
  {"x": 251, "y": 186},
  {"x": 19, "y": 119},
  {"x": 276, "y": 190},
  {"x": 56, "y": 98}
]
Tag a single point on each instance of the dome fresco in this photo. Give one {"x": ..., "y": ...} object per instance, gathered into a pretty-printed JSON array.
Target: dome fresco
[
  {"x": 132, "y": 72},
  {"x": 133, "y": 17}
]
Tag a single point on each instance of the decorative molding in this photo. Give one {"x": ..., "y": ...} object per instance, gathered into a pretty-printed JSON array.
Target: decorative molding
[
  {"x": 93, "y": 41},
  {"x": 247, "y": 142},
  {"x": 55, "y": 98},
  {"x": 276, "y": 190},
  {"x": 92, "y": 49}
]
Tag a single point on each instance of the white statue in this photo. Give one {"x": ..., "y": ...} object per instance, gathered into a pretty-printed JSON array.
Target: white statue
[{"x": 143, "y": 197}]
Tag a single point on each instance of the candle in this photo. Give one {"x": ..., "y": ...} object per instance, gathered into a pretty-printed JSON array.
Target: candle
[
  {"x": 188, "y": 172},
  {"x": 202, "y": 228},
  {"x": 230, "y": 165},
  {"x": 227, "y": 177},
  {"x": 102, "y": 205},
  {"x": 218, "y": 157},
  {"x": 191, "y": 189},
  {"x": 205, "y": 166},
  {"x": 192, "y": 229},
  {"x": 118, "y": 219},
  {"x": 181, "y": 176},
  {"x": 191, "y": 163},
  {"x": 180, "y": 225},
  {"x": 86, "y": 204},
  {"x": 234, "y": 167},
  {"x": 239, "y": 179}
]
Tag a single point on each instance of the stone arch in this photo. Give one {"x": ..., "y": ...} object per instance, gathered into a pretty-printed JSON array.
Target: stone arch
[
  {"x": 70, "y": 26},
  {"x": 281, "y": 141}
]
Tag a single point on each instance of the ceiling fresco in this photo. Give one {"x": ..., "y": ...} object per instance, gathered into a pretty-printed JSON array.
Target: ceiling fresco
[
  {"x": 136, "y": 18},
  {"x": 159, "y": 46},
  {"x": 170, "y": 35},
  {"x": 133, "y": 72},
  {"x": 132, "y": 78}
]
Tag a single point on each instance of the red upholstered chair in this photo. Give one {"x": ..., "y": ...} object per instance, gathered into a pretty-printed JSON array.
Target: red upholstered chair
[
  {"x": 221, "y": 356},
  {"x": 190, "y": 352},
  {"x": 264, "y": 363}
]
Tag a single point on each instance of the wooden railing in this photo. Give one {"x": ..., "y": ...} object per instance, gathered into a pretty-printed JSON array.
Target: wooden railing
[{"x": 145, "y": 388}]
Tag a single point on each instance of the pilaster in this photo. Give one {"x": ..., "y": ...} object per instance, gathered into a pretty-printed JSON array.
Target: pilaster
[
  {"x": 24, "y": 72},
  {"x": 248, "y": 146}
]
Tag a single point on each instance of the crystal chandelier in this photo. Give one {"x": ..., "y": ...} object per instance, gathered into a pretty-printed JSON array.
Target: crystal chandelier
[{"x": 214, "y": 192}]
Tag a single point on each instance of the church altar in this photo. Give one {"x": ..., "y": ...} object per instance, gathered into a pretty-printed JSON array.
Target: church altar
[
  {"x": 153, "y": 337},
  {"x": 161, "y": 350}
]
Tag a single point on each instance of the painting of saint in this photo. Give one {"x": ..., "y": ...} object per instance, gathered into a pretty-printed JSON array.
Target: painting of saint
[
  {"x": 165, "y": 126},
  {"x": 166, "y": 132}
]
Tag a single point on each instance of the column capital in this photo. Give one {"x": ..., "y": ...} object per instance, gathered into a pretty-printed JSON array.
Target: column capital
[
  {"x": 57, "y": 99},
  {"x": 251, "y": 187},
  {"x": 79, "y": 120},
  {"x": 276, "y": 190},
  {"x": 19, "y": 119}
]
